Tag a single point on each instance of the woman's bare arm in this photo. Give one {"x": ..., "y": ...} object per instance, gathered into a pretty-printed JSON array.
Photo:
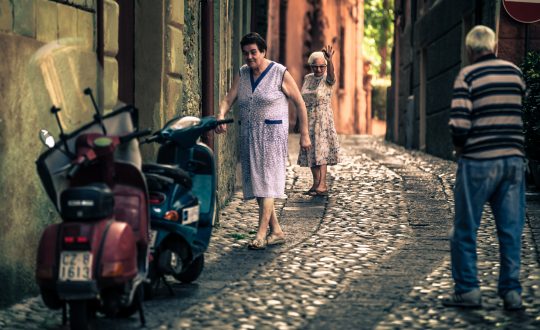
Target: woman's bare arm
[
  {"x": 226, "y": 104},
  {"x": 290, "y": 89}
]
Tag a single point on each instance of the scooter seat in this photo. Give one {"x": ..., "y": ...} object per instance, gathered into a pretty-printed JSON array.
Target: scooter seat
[
  {"x": 158, "y": 182},
  {"x": 171, "y": 171}
]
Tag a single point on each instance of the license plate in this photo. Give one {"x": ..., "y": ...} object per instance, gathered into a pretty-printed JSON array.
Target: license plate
[
  {"x": 153, "y": 237},
  {"x": 75, "y": 266},
  {"x": 190, "y": 215}
]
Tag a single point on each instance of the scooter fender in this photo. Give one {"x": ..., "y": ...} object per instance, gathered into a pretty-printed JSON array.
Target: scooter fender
[
  {"x": 119, "y": 254},
  {"x": 166, "y": 228},
  {"x": 46, "y": 256}
]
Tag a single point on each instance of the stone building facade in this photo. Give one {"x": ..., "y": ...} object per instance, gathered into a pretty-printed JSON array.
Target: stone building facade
[
  {"x": 428, "y": 53},
  {"x": 151, "y": 56},
  {"x": 297, "y": 28}
]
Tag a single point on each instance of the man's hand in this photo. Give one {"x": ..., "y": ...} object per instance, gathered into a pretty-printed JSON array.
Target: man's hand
[{"x": 457, "y": 151}]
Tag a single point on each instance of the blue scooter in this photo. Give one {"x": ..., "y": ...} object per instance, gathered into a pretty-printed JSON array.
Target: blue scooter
[{"x": 182, "y": 189}]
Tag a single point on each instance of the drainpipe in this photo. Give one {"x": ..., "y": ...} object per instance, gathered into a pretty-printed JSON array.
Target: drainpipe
[
  {"x": 526, "y": 40},
  {"x": 396, "y": 68},
  {"x": 207, "y": 65}
]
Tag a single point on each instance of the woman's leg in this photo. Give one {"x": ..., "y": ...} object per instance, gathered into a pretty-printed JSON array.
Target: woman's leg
[
  {"x": 266, "y": 213},
  {"x": 322, "y": 179},
  {"x": 275, "y": 228},
  {"x": 316, "y": 173}
]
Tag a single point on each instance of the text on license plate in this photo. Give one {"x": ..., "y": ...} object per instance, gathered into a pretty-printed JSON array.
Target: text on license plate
[
  {"x": 190, "y": 215},
  {"x": 153, "y": 237},
  {"x": 75, "y": 266}
]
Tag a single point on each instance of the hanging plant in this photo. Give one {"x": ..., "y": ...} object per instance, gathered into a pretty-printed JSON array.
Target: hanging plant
[{"x": 531, "y": 104}]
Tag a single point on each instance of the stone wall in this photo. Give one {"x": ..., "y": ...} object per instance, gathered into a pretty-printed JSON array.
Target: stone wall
[
  {"x": 512, "y": 38},
  {"x": 229, "y": 27},
  {"x": 309, "y": 26},
  {"x": 191, "y": 97}
]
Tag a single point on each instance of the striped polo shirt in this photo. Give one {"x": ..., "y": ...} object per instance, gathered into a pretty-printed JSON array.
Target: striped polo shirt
[{"x": 485, "y": 118}]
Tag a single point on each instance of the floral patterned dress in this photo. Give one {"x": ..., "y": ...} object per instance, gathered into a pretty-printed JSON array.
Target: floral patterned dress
[{"x": 317, "y": 93}]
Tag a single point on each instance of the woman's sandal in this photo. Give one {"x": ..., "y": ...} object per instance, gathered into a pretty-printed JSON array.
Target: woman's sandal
[
  {"x": 257, "y": 244},
  {"x": 309, "y": 192},
  {"x": 275, "y": 239},
  {"x": 319, "y": 193}
]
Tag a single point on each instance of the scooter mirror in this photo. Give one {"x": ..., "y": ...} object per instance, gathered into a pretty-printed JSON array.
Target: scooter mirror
[{"x": 46, "y": 138}]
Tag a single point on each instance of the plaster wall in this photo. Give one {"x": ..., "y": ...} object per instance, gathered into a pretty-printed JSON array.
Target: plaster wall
[
  {"x": 348, "y": 100},
  {"x": 25, "y": 26},
  {"x": 167, "y": 83}
]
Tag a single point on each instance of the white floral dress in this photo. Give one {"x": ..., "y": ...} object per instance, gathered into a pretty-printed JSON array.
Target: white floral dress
[
  {"x": 317, "y": 94},
  {"x": 264, "y": 123}
]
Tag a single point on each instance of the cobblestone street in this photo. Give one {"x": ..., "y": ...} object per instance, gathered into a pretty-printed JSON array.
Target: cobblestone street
[{"x": 374, "y": 254}]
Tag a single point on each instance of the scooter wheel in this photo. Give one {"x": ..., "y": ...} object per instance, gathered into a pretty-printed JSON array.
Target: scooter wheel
[
  {"x": 193, "y": 272},
  {"x": 129, "y": 310},
  {"x": 50, "y": 298},
  {"x": 78, "y": 315}
]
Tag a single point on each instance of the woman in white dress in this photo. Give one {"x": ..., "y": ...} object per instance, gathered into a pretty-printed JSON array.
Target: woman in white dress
[{"x": 263, "y": 88}]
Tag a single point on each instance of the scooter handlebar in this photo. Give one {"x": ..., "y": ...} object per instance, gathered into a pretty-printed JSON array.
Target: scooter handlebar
[
  {"x": 225, "y": 121},
  {"x": 73, "y": 170},
  {"x": 151, "y": 139},
  {"x": 134, "y": 135}
]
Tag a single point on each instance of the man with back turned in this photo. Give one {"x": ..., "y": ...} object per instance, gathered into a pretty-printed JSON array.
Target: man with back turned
[{"x": 487, "y": 133}]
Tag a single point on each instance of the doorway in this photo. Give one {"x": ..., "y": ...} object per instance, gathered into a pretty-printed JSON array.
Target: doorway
[{"x": 126, "y": 51}]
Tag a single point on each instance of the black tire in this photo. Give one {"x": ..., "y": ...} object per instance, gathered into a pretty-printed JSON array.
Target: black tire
[
  {"x": 193, "y": 272},
  {"x": 127, "y": 311},
  {"x": 78, "y": 315},
  {"x": 50, "y": 298}
]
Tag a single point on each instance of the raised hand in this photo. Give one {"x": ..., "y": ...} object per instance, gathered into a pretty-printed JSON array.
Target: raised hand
[{"x": 328, "y": 52}]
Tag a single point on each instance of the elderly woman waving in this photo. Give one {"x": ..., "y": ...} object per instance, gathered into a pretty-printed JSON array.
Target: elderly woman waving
[
  {"x": 317, "y": 94},
  {"x": 263, "y": 88}
]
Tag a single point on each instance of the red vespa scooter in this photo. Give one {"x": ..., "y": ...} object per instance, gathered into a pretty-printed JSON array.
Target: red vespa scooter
[{"x": 97, "y": 258}]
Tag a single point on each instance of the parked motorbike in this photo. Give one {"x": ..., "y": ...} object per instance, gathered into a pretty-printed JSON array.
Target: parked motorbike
[
  {"x": 182, "y": 187},
  {"x": 98, "y": 256}
]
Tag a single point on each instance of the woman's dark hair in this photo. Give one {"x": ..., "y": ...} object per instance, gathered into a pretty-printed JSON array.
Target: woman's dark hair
[{"x": 253, "y": 38}]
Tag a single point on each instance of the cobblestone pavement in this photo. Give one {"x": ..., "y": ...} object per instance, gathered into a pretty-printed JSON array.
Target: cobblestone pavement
[{"x": 373, "y": 255}]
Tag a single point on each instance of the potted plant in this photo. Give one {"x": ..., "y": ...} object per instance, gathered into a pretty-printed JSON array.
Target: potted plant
[{"x": 531, "y": 113}]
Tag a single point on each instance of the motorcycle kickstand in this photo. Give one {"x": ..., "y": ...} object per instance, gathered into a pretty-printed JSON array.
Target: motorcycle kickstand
[
  {"x": 64, "y": 313},
  {"x": 167, "y": 285},
  {"x": 141, "y": 309}
]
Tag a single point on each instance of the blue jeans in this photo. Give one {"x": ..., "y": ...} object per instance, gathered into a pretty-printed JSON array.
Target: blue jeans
[{"x": 501, "y": 182}]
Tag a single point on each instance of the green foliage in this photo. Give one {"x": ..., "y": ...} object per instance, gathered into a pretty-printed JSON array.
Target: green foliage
[
  {"x": 238, "y": 236},
  {"x": 378, "y": 34},
  {"x": 378, "y": 100},
  {"x": 531, "y": 113}
]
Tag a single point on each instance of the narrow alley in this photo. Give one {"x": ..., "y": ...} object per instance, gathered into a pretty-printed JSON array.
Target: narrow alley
[{"x": 374, "y": 254}]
